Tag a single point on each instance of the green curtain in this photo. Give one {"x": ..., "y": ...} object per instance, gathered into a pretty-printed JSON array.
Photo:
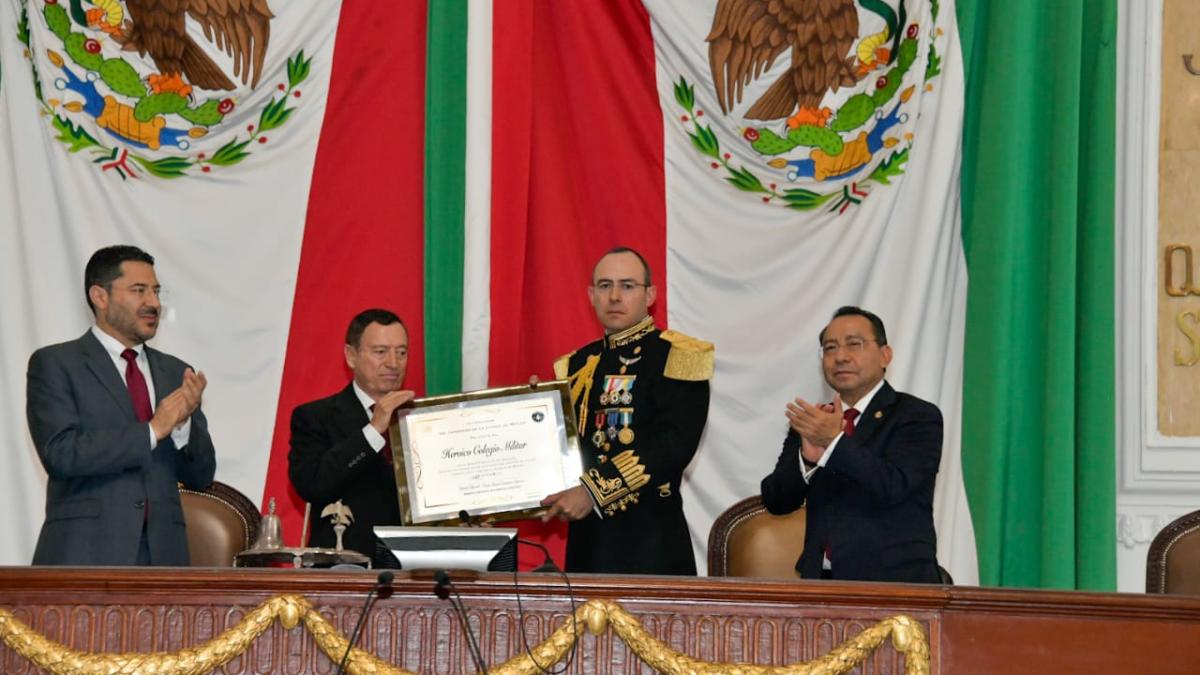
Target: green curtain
[
  {"x": 445, "y": 192},
  {"x": 1038, "y": 168}
]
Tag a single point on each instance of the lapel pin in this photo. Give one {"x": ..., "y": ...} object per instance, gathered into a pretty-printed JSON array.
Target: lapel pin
[{"x": 878, "y": 414}]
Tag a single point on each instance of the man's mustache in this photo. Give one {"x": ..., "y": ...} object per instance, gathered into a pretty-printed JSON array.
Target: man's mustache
[{"x": 149, "y": 312}]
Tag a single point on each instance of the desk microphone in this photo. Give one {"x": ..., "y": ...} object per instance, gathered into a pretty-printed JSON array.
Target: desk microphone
[
  {"x": 381, "y": 589},
  {"x": 443, "y": 591}
]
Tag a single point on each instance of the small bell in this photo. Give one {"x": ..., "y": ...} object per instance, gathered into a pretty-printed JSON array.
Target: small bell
[{"x": 270, "y": 531}]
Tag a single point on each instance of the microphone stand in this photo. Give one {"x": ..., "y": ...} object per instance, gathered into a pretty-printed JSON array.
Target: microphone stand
[{"x": 381, "y": 589}]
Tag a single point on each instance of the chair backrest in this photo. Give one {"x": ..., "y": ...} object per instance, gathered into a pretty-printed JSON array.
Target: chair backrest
[
  {"x": 1173, "y": 562},
  {"x": 221, "y": 522},
  {"x": 747, "y": 541}
]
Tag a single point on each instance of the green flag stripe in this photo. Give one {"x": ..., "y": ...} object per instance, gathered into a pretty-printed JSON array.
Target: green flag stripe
[{"x": 445, "y": 150}]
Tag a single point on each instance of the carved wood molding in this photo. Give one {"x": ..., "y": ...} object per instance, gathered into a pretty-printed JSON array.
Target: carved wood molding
[
  {"x": 594, "y": 617},
  {"x": 713, "y": 620}
]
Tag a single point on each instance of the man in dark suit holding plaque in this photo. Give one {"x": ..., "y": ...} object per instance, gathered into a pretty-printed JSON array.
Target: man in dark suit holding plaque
[
  {"x": 641, "y": 397},
  {"x": 864, "y": 466},
  {"x": 341, "y": 454},
  {"x": 117, "y": 425}
]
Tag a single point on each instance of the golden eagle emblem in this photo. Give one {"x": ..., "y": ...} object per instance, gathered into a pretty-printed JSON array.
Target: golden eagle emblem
[
  {"x": 747, "y": 37},
  {"x": 158, "y": 29},
  {"x": 149, "y": 114}
]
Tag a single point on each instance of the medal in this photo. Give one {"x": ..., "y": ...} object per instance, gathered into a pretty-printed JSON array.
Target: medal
[
  {"x": 612, "y": 390},
  {"x": 598, "y": 436},
  {"x": 612, "y": 423},
  {"x": 625, "y": 435},
  {"x": 618, "y": 389}
]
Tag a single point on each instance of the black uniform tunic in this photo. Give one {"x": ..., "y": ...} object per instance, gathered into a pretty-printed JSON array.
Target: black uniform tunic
[{"x": 641, "y": 398}]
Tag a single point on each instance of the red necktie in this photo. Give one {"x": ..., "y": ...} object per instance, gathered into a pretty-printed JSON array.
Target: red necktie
[
  {"x": 849, "y": 415},
  {"x": 139, "y": 393},
  {"x": 387, "y": 440}
]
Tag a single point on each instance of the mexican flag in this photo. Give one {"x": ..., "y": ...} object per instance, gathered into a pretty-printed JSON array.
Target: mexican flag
[
  {"x": 466, "y": 163},
  {"x": 635, "y": 123}
]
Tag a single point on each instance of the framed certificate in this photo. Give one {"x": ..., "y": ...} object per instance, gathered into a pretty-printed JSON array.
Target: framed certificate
[{"x": 494, "y": 453}]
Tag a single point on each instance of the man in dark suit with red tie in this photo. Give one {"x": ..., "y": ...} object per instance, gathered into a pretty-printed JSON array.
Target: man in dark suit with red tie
[
  {"x": 117, "y": 425},
  {"x": 863, "y": 466},
  {"x": 340, "y": 446}
]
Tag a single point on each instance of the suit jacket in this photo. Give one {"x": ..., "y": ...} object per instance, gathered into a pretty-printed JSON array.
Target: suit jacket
[
  {"x": 636, "y": 448},
  {"x": 330, "y": 460},
  {"x": 102, "y": 469},
  {"x": 872, "y": 503}
]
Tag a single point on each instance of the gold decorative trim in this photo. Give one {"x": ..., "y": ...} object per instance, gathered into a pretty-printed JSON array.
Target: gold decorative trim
[
  {"x": 634, "y": 473},
  {"x": 580, "y": 384},
  {"x": 604, "y": 490},
  {"x": 561, "y": 365},
  {"x": 632, "y": 334},
  {"x": 690, "y": 359},
  {"x": 596, "y": 616}
]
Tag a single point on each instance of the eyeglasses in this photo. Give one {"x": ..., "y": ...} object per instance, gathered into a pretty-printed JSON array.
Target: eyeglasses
[
  {"x": 606, "y": 286},
  {"x": 142, "y": 290},
  {"x": 853, "y": 345}
]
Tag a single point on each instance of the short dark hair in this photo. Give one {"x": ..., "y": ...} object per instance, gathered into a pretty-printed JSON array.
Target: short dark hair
[
  {"x": 850, "y": 310},
  {"x": 625, "y": 249},
  {"x": 359, "y": 323},
  {"x": 104, "y": 267}
]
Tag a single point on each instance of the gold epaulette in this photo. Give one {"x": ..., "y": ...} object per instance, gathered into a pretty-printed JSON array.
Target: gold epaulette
[
  {"x": 561, "y": 364},
  {"x": 690, "y": 359}
]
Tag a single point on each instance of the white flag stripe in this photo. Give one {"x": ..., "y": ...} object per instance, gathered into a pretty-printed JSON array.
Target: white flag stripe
[
  {"x": 477, "y": 272},
  {"x": 760, "y": 280},
  {"x": 227, "y": 245}
]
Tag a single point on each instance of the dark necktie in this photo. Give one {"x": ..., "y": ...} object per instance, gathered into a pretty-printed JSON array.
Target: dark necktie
[
  {"x": 139, "y": 393},
  {"x": 849, "y": 415},
  {"x": 387, "y": 440}
]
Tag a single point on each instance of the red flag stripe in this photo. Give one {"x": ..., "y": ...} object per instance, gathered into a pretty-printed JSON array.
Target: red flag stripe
[
  {"x": 363, "y": 236},
  {"x": 577, "y": 166}
]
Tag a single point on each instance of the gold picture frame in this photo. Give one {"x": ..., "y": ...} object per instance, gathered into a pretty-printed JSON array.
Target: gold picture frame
[{"x": 488, "y": 452}]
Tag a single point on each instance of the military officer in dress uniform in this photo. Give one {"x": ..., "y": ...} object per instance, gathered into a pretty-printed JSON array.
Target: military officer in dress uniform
[{"x": 641, "y": 397}]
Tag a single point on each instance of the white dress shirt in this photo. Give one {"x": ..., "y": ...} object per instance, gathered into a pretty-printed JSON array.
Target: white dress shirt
[
  {"x": 374, "y": 438},
  {"x": 180, "y": 434},
  {"x": 861, "y": 406}
]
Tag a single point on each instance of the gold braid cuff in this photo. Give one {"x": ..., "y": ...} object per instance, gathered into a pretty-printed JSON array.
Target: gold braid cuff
[{"x": 596, "y": 616}]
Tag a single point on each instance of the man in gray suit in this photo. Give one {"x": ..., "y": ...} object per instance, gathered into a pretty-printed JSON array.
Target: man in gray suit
[{"x": 117, "y": 424}]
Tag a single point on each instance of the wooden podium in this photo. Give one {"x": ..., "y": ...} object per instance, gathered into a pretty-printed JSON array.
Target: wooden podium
[{"x": 969, "y": 630}]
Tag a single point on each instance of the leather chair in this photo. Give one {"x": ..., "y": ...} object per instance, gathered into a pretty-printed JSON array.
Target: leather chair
[
  {"x": 221, "y": 522},
  {"x": 1173, "y": 562},
  {"x": 747, "y": 541}
]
